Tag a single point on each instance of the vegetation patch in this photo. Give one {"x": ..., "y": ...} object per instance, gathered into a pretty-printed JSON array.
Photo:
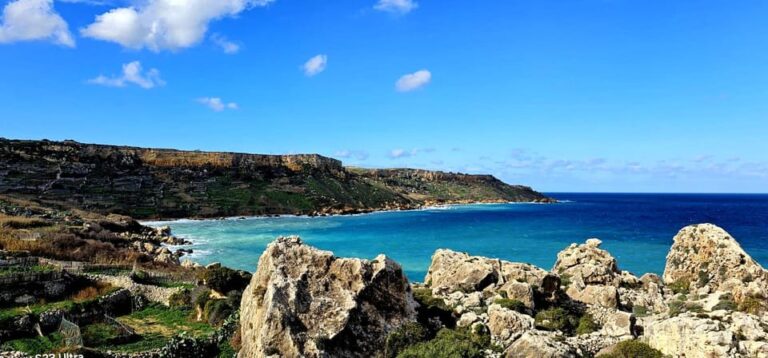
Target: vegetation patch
[
  {"x": 587, "y": 325},
  {"x": 449, "y": 343},
  {"x": 557, "y": 319},
  {"x": 510, "y": 304},
  {"x": 48, "y": 344},
  {"x": 633, "y": 349}
]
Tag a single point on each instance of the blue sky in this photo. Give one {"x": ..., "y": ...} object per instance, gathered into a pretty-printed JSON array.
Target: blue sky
[{"x": 582, "y": 95}]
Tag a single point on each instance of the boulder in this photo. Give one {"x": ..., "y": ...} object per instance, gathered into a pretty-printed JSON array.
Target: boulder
[
  {"x": 306, "y": 302},
  {"x": 519, "y": 291},
  {"x": 452, "y": 271},
  {"x": 592, "y": 274},
  {"x": 605, "y": 296},
  {"x": 706, "y": 256},
  {"x": 691, "y": 337},
  {"x": 456, "y": 271},
  {"x": 619, "y": 324},
  {"x": 539, "y": 344},
  {"x": 507, "y": 325}
]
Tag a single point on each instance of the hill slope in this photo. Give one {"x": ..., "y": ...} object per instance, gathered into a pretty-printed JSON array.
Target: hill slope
[{"x": 164, "y": 183}]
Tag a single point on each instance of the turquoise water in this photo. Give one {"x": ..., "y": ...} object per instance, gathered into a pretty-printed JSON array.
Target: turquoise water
[{"x": 636, "y": 228}]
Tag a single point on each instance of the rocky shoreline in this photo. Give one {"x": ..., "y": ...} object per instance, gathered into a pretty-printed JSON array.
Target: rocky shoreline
[{"x": 710, "y": 302}]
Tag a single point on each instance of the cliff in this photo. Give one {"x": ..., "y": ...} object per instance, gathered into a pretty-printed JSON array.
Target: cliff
[{"x": 164, "y": 183}]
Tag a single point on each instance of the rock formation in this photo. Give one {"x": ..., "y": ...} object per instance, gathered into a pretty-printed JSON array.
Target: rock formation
[
  {"x": 706, "y": 258},
  {"x": 305, "y": 302}
]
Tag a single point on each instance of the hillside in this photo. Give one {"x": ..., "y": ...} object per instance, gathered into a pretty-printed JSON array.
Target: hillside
[{"x": 163, "y": 183}]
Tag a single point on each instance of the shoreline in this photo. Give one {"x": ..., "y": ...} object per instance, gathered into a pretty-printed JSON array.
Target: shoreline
[{"x": 161, "y": 221}]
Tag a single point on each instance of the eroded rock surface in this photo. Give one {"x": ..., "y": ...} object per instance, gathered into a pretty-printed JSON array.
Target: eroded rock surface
[
  {"x": 707, "y": 257},
  {"x": 306, "y": 302}
]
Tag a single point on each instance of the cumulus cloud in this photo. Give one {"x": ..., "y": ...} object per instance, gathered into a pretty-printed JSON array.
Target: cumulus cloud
[
  {"x": 28, "y": 20},
  {"x": 164, "y": 24},
  {"x": 413, "y": 81},
  {"x": 396, "y": 6},
  {"x": 216, "y": 104},
  {"x": 133, "y": 73},
  {"x": 229, "y": 47},
  {"x": 315, "y": 65}
]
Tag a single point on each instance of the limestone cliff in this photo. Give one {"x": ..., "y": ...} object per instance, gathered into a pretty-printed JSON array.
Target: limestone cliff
[{"x": 163, "y": 183}]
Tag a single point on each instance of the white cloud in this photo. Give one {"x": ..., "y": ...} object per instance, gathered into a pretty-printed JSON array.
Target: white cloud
[
  {"x": 413, "y": 81},
  {"x": 229, "y": 47},
  {"x": 356, "y": 154},
  {"x": 396, "y": 6},
  {"x": 27, "y": 20},
  {"x": 132, "y": 74},
  {"x": 164, "y": 24},
  {"x": 216, "y": 104},
  {"x": 399, "y": 153},
  {"x": 315, "y": 65}
]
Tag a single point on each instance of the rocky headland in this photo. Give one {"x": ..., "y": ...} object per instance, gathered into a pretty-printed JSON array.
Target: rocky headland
[
  {"x": 162, "y": 183},
  {"x": 710, "y": 302}
]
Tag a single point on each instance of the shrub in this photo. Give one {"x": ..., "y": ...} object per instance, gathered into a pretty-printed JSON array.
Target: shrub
[
  {"x": 640, "y": 311},
  {"x": 751, "y": 304},
  {"x": 510, "y": 304},
  {"x": 725, "y": 304},
  {"x": 632, "y": 349},
  {"x": 680, "y": 286},
  {"x": 587, "y": 325},
  {"x": 223, "y": 279},
  {"x": 407, "y": 335},
  {"x": 557, "y": 319},
  {"x": 565, "y": 280},
  {"x": 450, "y": 344},
  {"x": 216, "y": 311},
  {"x": 180, "y": 299},
  {"x": 432, "y": 309}
]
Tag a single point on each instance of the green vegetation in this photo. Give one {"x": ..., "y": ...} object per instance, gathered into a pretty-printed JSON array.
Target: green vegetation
[
  {"x": 753, "y": 305},
  {"x": 679, "y": 306},
  {"x": 37, "y": 345},
  {"x": 725, "y": 303},
  {"x": 565, "y": 280},
  {"x": 99, "y": 335},
  {"x": 557, "y": 319},
  {"x": 409, "y": 334},
  {"x": 680, "y": 286},
  {"x": 223, "y": 279},
  {"x": 6, "y": 271},
  {"x": 640, "y": 311},
  {"x": 156, "y": 324},
  {"x": 511, "y": 304},
  {"x": 633, "y": 349},
  {"x": 459, "y": 343},
  {"x": 424, "y": 297},
  {"x": 587, "y": 325}
]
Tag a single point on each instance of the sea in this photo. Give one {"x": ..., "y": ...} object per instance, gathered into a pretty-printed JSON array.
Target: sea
[{"x": 636, "y": 228}]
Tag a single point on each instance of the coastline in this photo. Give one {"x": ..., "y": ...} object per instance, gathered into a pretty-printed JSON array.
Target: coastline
[{"x": 165, "y": 221}]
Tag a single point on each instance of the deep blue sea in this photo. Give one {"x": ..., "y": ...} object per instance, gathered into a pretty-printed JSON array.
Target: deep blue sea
[{"x": 636, "y": 228}]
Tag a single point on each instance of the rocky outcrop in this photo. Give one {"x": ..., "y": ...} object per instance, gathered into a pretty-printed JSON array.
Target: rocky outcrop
[
  {"x": 453, "y": 273},
  {"x": 690, "y": 336},
  {"x": 706, "y": 258},
  {"x": 541, "y": 345},
  {"x": 592, "y": 273},
  {"x": 306, "y": 302},
  {"x": 163, "y": 183}
]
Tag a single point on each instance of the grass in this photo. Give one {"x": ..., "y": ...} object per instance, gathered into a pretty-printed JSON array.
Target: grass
[
  {"x": 82, "y": 297},
  {"x": 156, "y": 324},
  {"x": 6, "y": 271},
  {"x": 34, "y": 346}
]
